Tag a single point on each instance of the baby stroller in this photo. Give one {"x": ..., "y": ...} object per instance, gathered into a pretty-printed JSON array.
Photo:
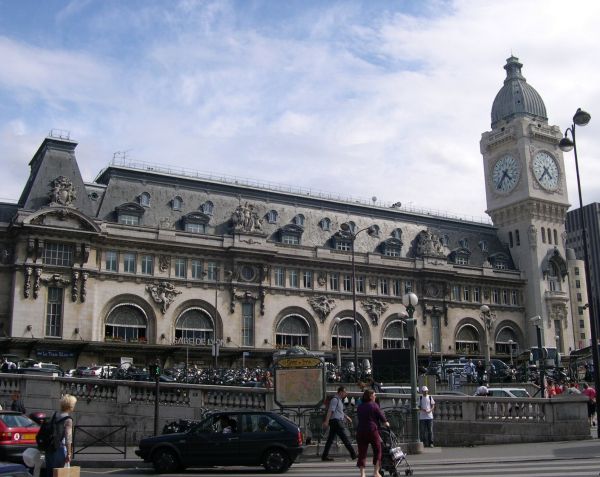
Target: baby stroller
[{"x": 392, "y": 457}]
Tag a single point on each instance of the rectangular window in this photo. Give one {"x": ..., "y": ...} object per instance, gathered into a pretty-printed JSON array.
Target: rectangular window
[
  {"x": 396, "y": 287},
  {"x": 54, "y": 309},
  {"x": 197, "y": 269},
  {"x": 347, "y": 283},
  {"x": 60, "y": 254},
  {"x": 212, "y": 271},
  {"x": 461, "y": 260},
  {"x": 517, "y": 238},
  {"x": 579, "y": 297},
  {"x": 343, "y": 246},
  {"x": 290, "y": 239},
  {"x": 555, "y": 236},
  {"x": 195, "y": 228},
  {"x": 476, "y": 294},
  {"x": 543, "y": 235},
  {"x": 307, "y": 279},
  {"x": 581, "y": 324},
  {"x": 455, "y": 290},
  {"x": 129, "y": 264},
  {"x": 360, "y": 284},
  {"x": 384, "y": 286},
  {"x": 334, "y": 281},
  {"x": 247, "y": 324},
  {"x": 127, "y": 219},
  {"x": 514, "y": 297},
  {"x": 408, "y": 286},
  {"x": 180, "y": 267},
  {"x": 577, "y": 284},
  {"x": 279, "y": 277},
  {"x": 147, "y": 265},
  {"x": 111, "y": 261},
  {"x": 436, "y": 345},
  {"x": 576, "y": 270},
  {"x": 505, "y": 297},
  {"x": 496, "y": 296},
  {"x": 294, "y": 279},
  {"x": 580, "y": 310},
  {"x": 466, "y": 293},
  {"x": 510, "y": 239}
]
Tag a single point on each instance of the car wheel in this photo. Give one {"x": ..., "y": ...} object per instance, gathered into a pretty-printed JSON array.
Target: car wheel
[
  {"x": 165, "y": 461},
  {"x": 276, "y": 461}
]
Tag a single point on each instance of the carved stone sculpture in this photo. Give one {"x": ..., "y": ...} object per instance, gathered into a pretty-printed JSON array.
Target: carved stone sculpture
[
  {"x": 429, "y": 245},
  {"x": 75, "y": 286},
  {"x": 62, "y": 192},
  {"x": 164, "y": 262},
  {"x": 36, "y": 282},
  {"x": 323, "y": 305},
  {"x": 245, "y": 219},
  {"x": 374, "y": 308},
  {"x": 84, "y": 277},
  {"x": 163, "y": 293},
  {"x": 27, "y": 283}
]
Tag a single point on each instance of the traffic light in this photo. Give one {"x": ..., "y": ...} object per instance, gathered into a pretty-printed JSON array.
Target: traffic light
[{"x": 155, "y": 370}]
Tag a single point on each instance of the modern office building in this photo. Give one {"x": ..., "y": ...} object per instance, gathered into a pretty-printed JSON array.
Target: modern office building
[{"x": 150, "y": 262}]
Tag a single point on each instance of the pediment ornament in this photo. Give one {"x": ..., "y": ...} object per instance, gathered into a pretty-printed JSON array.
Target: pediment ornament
[
  {"x": 322, "y": 305},
  {"x": 163, "y": 293},
  {"x": 62, "y": 192}
]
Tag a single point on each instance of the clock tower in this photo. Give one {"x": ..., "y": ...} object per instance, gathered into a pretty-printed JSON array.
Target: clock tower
[{"x": 527, "y": 200}]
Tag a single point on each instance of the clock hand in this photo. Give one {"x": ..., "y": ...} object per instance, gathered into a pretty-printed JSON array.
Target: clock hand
[{"x": 502, "y": 179}]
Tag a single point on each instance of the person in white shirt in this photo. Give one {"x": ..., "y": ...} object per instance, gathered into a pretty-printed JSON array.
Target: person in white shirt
[
  {"x": 426, "y": 408},
  {"x": 469, "y": 371}
]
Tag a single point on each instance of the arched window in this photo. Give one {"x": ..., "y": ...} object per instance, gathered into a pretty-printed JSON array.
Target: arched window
[
  {"x": 145, "y": 199},
  {"x": 299, "y": 220},
  {"x": 344, "y": 330},
  {"x": 505, "y": 340},
  {"x": 445, "y": 240},
  {"x": 176, "y": 203},
  {"x": 395, "y": 335},
  {"x": 293, "y": 330},
  {"x": 467, "y": 340},
  {"x": 483, "y": 245},
  {"x": 553, "y": 277},
  {"x": 325, "y": 223},
  {"x": 272, "y": 216},
  {"x": 207, "y": 207},
  {"x": 195, "y": 325},
  {"x": 374, "y": 231},
  {"x": 126, "y": 323},
  {"x": 397, "y": 234}
]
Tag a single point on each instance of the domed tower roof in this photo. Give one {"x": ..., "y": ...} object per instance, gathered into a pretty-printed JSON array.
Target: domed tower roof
[{"x": 516, "y": 97}]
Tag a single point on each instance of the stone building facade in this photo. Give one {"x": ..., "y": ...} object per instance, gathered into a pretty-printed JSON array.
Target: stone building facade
[{"x": 148, "y": 262}]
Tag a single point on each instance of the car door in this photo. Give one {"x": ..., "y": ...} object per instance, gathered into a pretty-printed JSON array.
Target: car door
[
  {"x": 207, "y": 444},
  {"x": 259, "y": 431}
]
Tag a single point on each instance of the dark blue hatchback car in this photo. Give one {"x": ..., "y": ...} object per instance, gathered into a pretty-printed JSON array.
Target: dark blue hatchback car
[{"x": 247, "y": 438}]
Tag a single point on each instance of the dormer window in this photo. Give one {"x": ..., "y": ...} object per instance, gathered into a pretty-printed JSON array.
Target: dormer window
[
  {"x": 351, "y": 226},
  {"x": 499, "y": 261},
  {"x": 272, "y": 216},
  {"x": 207, "y": 207},
  {"x": 145, "y": 199},
  {"x": 461, "y": 259},
  {"x": 397, "y": 234},
  {"x": 325, "y": 223},
  {"x": 445, "y": 240},
  {"x": 464, "y": 243},
  {"x": 483, "y": 245},
  {"x": 196, "y": 222},
  {"x": 373, "y": 231},
  {"x": 177, "y": 203},
  {"x": 129, "y": 213},
  {"x": 299, "y": 220},
  {"x": 342, "y": 242},
  {"x": 392, "y": 247},
  {"x": 291, "y": 234}
]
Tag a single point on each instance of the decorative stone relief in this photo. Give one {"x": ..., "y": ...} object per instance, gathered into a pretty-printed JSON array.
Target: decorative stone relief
[
  {"x": 322, "y": 279},
  {"x": 5, "y": 256},
  {"x": 27, "y": 282},
  {"x": 532, "y": 231},
  {"x": 435, "y": 310},
  {"x": 164, "y": 223},
  {"x": 374, "y": 308},
  {"x": 245, "y": 219},
  {"x": 36, "y": 282},
  {"x": 433, "y": 290},
  {"x": 558, "y": 311},
  {"x": 322, "y": 305},
  {"x": 84, "y": 278},
  {"x": 247, "y": 295},
  {"x": 75, "y": 286},
  {"x": 62, "y": 192},
  {"x": 163, "y": 293},
  {"x": 428, "y": 245},
  {"x": 55, "y": 279},
  {"x": 164, "y": 262}
]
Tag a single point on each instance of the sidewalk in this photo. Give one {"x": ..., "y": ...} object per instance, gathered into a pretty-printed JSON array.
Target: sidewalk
[{"x": 105, "y": 457}]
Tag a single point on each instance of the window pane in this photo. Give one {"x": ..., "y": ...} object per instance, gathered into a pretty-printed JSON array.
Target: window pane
[
  {"x": 180, "y": 267},
  {"x": 129, "y": 262},
  {"x": 197, "y": 272},
  {"x": 147, "y": 264},
  {"x": 54, "y": 311},
  {"x": 60, "y": 254},
  {"x": 111, "y": 261},
  {"x": 247, "y": 324},
  {"x": 279, "y": 277},
  {"x": 212, "y": 271}
]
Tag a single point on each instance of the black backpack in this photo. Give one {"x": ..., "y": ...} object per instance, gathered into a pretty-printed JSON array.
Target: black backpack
[{"x": 51, "y": 433}]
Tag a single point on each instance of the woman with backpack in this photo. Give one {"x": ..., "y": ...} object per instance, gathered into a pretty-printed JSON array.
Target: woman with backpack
[{"x": 60, "y": 451}]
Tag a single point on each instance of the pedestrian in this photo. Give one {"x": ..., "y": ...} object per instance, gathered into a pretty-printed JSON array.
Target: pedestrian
[
  {"x": 268, "y": 380},
  {"x": 370, "y": 417},
  {"x": 63, "y": 423},
  {"x": 374, "y": 385},
  {"x": 572, "y": 389},
  {"x": 336, "y": 421},
  {"x": 469, "y": 371},
  {"x": 426, "y": 408},
  {"x": 480, "y": 369},
  {"x": 17, "y": 403},
  {"x": 590, "y": 392}
]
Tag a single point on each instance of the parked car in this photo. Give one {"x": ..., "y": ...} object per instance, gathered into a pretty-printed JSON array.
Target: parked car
[
  {"x": 508, "y": 392},
  {"x": 13, "y": 470},
  {"x": 17, "y": 433},
  {"x": 248, "y": 438},
  {"x": 396, "y": 389}
]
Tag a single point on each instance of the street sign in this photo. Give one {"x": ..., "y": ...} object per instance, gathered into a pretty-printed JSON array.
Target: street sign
[{"x": 299, "y": 381}]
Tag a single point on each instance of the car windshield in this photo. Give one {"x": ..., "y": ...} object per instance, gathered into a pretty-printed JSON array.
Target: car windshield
[
  {"x": 17, "y": 420},
  {"x": 519, "y": 392}
]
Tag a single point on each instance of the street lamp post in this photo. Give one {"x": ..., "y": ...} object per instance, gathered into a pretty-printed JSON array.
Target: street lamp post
[
  {"x": 510, "y": 345},
  {"x": 410, "y": 300},
  {"x": 348, "y": 232},
  {"x": 488, "y": 319},
  {"x": 337, "y": 322},
  {"x": 537, "y": 322},
  {"x": 582, "y": 118}
]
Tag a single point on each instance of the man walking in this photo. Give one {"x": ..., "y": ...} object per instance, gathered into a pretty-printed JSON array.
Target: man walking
[
  {"x": 426, "y": 407},
  {"x": 469, "y": 371},
  {"x": 336, "y": 421}
]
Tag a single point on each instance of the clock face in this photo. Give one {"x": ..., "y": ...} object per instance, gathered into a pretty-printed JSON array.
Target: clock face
[
  {"x": 506, "y": 173},
  {"x": 545, "y": 170}
]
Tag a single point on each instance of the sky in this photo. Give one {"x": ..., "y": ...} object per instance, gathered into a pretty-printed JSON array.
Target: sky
[{"x": 373, "y": 98}]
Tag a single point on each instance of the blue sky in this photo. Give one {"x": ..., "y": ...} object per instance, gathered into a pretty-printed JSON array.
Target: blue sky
[{"x": 359, "y": 98}]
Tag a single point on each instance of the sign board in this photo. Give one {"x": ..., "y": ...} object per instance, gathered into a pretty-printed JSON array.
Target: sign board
[
  {"x": 51, "y": 353},
  {"x": 391, "y": 365},
  {"x": 299, "y": 381}
]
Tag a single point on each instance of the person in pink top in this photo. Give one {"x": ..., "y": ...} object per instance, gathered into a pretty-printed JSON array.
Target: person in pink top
[{"x": 591, "y": 394}]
